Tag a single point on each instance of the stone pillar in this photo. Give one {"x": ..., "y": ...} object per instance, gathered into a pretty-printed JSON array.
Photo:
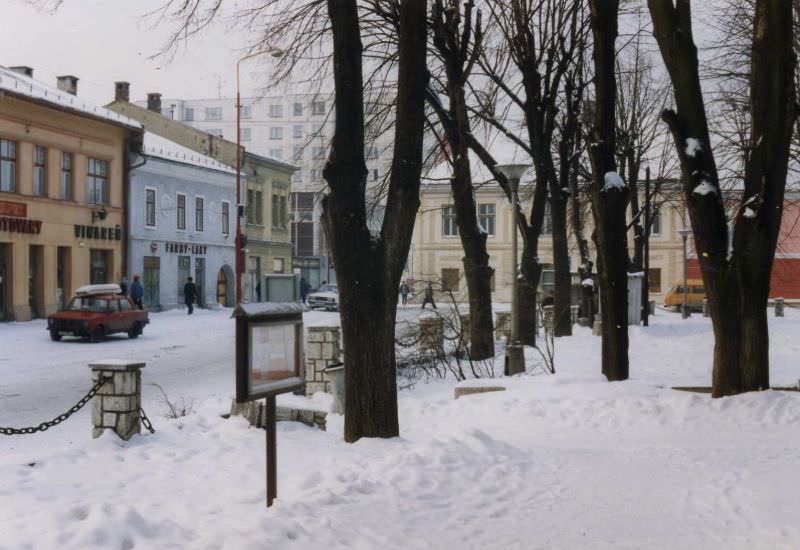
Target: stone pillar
[
  {"x": 431, "y": 334},
  {"x": 779, "y": 305},
  {"x": 116, "y": 406},
  {"x": 706, "y": 311},
  {"x": 502, "y": 325},
  {"x": 549, "y": 315},
  {"x": 322, "y": 350}
]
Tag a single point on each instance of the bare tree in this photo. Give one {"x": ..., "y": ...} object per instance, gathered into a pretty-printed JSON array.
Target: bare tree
[
  {"x": 609, "y": 195},
  {"x": 457, "y": 36},
  {"x": 736, "y": 279}
]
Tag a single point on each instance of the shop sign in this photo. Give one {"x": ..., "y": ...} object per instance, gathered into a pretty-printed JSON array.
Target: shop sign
[
  {"x": 99, "y": 233},
  {"x": 20, "y": 225},
  {"x": 16, "y": 209},
  {"x": 185, "y": 248}
]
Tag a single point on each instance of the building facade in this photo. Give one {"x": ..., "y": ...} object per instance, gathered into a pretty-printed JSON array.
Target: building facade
[
  {"x": 182, "y": 224},
  {"x": 63, "y": 172},
  {"x": 266, "y": 188}
]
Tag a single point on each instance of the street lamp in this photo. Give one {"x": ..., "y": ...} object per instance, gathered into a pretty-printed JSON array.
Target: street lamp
[
  {"x": 685, "y": 309},
  {"x": 239, "y": 207},
  {"x": 515, "y": 354}
]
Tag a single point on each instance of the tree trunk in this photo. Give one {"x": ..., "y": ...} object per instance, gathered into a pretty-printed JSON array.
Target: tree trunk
[
  {"x": 562, "y": 296},
  {"x": 609, "y": 196},
  {"x": 368, "y": 267}
]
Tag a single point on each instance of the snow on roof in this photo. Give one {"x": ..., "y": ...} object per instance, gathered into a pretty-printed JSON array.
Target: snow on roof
[
  {"x": 24, "y": 86},
  {"x": 157, "y": 146}
]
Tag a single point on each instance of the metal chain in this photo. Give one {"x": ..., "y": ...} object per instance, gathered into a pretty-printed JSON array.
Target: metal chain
[
  {"x": 146, "y": 421},
  {"x": 60, "y": 418}
]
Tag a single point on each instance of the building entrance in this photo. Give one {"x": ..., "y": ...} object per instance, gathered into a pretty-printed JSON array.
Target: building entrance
[
  {"x": 5, "y": 282},
  {"x": 36, "y": 280},
  {"x": 200, "y": 280}
]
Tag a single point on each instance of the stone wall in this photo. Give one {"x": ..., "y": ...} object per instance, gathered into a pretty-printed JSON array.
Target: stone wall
[{"x": 322, "y": 349}]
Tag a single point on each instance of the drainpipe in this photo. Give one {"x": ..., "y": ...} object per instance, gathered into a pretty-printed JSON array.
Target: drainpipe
[{"x": 126, "y": 187}]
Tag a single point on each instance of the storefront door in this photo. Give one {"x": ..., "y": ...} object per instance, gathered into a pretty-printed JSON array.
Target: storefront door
[
  {"x": 222, "y": 288},
  {"x": 151, "y": 280},
  {"x": 35, "y": 280},
  {"x": 100, "y": 267},
  {"x": 5, "y": 283},
  {"x": 63, "y": 271},
  {"x": 184, "y": 267},
  {"x": 200, "y": 280}
]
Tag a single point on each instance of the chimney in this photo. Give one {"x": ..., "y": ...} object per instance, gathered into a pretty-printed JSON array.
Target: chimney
[
  {"x": 68, "y": 83},
  {"x": 154, "y": 103},
  {"x": 23, "y": 70},
  {"x": 122, "y": 91}
]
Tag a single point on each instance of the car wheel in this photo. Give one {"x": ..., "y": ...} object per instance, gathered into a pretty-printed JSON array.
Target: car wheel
[
  {"x": 55, "y": 336},
  {"x": 98, "y": 333},
  {"x": 136, "y": 331}
]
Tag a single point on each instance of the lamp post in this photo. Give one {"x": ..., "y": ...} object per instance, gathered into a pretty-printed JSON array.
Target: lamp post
[
  {"x": 515, "y": 354},
  {"x": 685, "y": 309},
  {"x": 239, "y": 206}
]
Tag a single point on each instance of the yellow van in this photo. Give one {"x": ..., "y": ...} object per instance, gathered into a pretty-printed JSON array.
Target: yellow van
[{"x": 695, "y": 297}]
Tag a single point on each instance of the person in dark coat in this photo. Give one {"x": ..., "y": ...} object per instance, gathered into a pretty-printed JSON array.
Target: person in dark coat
[
  {"x": 123, "y": 286},
  {"x": 304, "y": 288},
  {"x": 189, "y": 294},
  {"x": 404, "y": 291},
  {"x": 137, "y": 291},
  {"x": 428, "y": 298}
]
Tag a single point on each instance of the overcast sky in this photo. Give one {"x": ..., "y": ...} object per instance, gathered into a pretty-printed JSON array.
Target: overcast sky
[{"x": 102, "y": 41}]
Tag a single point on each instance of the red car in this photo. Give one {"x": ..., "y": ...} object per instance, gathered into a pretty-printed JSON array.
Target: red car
[{"x": 97, "y": 311}]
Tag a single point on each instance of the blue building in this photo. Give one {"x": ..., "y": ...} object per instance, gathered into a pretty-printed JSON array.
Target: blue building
[{"x": 182, "y": 223}]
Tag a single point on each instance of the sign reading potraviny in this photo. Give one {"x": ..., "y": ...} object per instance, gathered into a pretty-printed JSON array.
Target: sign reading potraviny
[{"x": 269, "y": 358}]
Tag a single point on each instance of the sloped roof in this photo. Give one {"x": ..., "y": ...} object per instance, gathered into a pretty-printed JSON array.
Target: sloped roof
[{"x": 160, "y": 147}]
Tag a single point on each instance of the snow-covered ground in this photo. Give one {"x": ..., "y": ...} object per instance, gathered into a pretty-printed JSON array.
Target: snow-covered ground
[{"x": 563, "y": 461}]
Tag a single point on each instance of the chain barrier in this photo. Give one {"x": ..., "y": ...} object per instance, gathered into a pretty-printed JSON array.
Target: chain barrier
[
  {"x": 44, "y": 426},
  {"x": 146, "y": 421}
]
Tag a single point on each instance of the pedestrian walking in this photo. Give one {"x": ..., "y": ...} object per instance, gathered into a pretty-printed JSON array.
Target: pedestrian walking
[
  {"x": 123, "y": 286},
  {"x": 137, "y": 292},
  {"x": 304, "y": 288},
  {"x": 404, "y": 291},
  {"x": 428, "y": 298},
  {"x": 189, "y": 294}
]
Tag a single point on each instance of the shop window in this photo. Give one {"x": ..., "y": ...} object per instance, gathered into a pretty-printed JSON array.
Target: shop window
[
  {"x": 8, "y": 166},
  {"x": 66, "y": 176},
  {"x": 97, "y": 182},
  {"x": 39, "y": 171}
]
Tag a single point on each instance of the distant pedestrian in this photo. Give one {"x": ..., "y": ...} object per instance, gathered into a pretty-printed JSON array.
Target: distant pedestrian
[
  {"x": 123, "y": 286},
  {"x": 304, "y": 288},
  {"x": 404, "y": 291},
  {"x": 428, "y": 298},
  {"x": 137, "y": 292},
  {"x": 189, "y": 294}
]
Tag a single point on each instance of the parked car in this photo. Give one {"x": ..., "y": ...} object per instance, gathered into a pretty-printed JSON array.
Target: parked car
[
  {"x": 325, "y": 297},
  {"x": 95, "y": 312},
  {"x": 694, "y": 299}
]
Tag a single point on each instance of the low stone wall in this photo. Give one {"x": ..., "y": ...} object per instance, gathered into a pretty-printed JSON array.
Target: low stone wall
[
  {"x": 255, "y": 413},
  {"x": 322, "y": 350}
]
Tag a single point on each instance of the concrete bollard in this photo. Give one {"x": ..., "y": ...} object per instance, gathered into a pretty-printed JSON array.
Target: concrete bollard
[
  {"x": 336, "y": 375},
  {"x": 548, "y": 316},
  {"x": 597, "y": 328},
  {"x": 706, "y": 311},
  {"x": 431, "y": 334},
  {"x": 116, "y": 405},
  {"x": 502, "y": 325},
  {"x": 779, "y": 305}
]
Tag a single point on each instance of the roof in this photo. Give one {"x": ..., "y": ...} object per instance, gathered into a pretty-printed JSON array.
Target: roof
[
  {"x": 160, "y": 147},
  {"x": 28, "y": 88}
]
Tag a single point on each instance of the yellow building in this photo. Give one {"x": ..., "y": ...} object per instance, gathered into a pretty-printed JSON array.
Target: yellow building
[
  {"x": 62, "y": 200},
  {"x": 436, "y": 252}
]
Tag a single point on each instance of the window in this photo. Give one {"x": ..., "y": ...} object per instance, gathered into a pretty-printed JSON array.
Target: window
[
  {"x": 181, "y": 199},
  {"x": 318, "y": 108},
  {"x": 198, "y": 213},
  {"x": 297, "y": 131},
  {"x": 279, "y": 211},
  {"x": 316, "y": 174},
  {"x": 297, "y": 152},
  {"x": 250, "y": 207},
  {"x": 225, "y": 217},
  {"x": 39, "y": 171},
  {"x": 150, "y": 207},
  {"x": 297, "y": 109},
  {"x": 246, "y": 134},
  {"x": 449, "y": 228},
  {"x": 372, "y": 152},
  {"x": 277, "y": 265},
  {"x": 654, "y": 279},
  {"x": 245, "y": 111},
  {"x": 276, "y": 132},
  {"x": 655, "y": 220},
  {"x": 276, "y": 111},
  {"x": 547, "y": 224},
  {"x": 8, "y": 165},
  {"x": 318, "y": 153},
  {"x": 66, "y": 176},
  {"x": 188, "y": 114},
  {"x": 486, "y": 218},
  {"x": 450, "y": 279},
  {"x": 276, "y": 153},
  {"x": 303, "y": 201},
  {"x": 215, "y": 131},
  {"x": 97, "y": 182},
  {"x": 303, "y": 238},
  {"x": 259, "y": 208},
  {"x": 213, "y": 113}
]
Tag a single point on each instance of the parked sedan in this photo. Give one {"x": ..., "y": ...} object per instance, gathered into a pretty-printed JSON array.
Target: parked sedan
[
  {"x": 325, "y": 297},
  {"x": 95, "y": 312}
]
